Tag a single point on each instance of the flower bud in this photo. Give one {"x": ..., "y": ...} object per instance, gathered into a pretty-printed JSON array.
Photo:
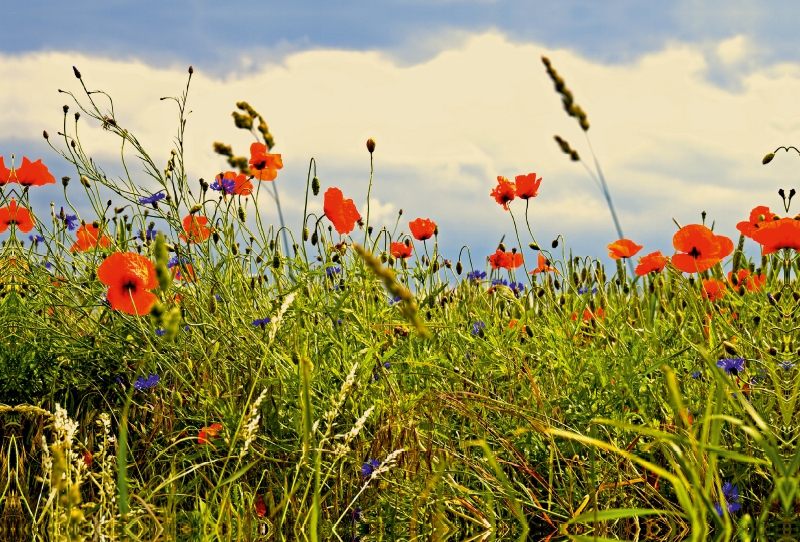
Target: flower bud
[
  {"x": 195, "y": 208},
  {"x": 276, "y": 261},
  {"x": 65, "y": 181},
  {"x": 76, "y": 72},
  {"x": 768, "y": 158},
  {"x": 533, "y": 246},
  {"x": 314, "y": 238},
  {"x": 501, "y": 246},
  {"x": 371, "y": 145},
  {"x": 77, "y": 115},
  {"x": 66, "y": 109},
  {"x": 315, "y": 185},
  {"x": 554, "y": 244},
  {"x": 242, "y": 214},
  {"x": 306, "y": 233},
  {"x": 459, "y": 267},
  {"x": 384, "y": 257},
  {"x": 191, "y": 70},
  {"x": 85, "y": 182},
  {"x": 45, "y": 134}
]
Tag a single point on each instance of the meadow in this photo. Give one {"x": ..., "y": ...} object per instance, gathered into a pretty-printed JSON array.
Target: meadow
[{"x": 176, "y": 368}]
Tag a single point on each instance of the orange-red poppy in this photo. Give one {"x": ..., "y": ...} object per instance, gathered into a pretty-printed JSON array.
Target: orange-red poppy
[
  {"x": 701, "y": 249},
  {"x": 207, "y": 433},
  {"x": 505, "y": 260},
  {"x": 5, "y": 173},
  {"x": 261, "y": 507},
  {"x": 543, "y": 267},
  {"x": 777, "y": 234},
  {"x": 713, "y": 289},
  {"x": 341, "y": 212},
  {"x": 177, "y": 274},
  {"x": 623, "y": 248},
  {"x": 527, "y": 185},
  {"x": 195, "y": 228},
  {"x": 504, "y": 192},
  {"x": 758, "y": 216},
  {"x": 241, "y": 184},
  {"x": 422, "y": 228},
  {"x": 652, "y": 263},
  {"x": 400, "y": 250},
  {"x": 752, "y": 282},
  {"x": 14, "y": 214},
  {"x": 128, "y": 276},
  {"x": 589, "y": 315},
  {"x": 264, "y": 166},
  {"x": 32, "y": 174},
  {"x": 88, "y": 237}
]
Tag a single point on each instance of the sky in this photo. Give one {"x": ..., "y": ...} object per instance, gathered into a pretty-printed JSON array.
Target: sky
[{"x": 684, "y": 98}]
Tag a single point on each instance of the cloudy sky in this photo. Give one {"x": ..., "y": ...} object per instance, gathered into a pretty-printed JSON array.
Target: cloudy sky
[{"x": 683, "y": 97}]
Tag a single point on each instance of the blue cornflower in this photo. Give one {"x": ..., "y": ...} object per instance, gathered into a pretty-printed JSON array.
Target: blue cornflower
[
  {"x": 330, "y": 271},
  {"x": 355, "y": 513},
  {"x": 476, "y": 275},
  {"x": 585, "y": 289},
  {"x": 394, "y": 300},
  {"x": 730, "y": 494},
  {"x": 149, "y": 235},
  {"x": 261, "y": 321},
  {"x": 386, "y": 365},
  {"x": 48, "y": 265},
  {"x": 731, "y": 364},
  {"x": 786, "y": 365},
  {"x": 186, "y": 328},
  {"x": 143, "y": 383},
  {"x": 36, "y": 238},
  {"x": 696, "y": 374},
  {"x": 158, "y": 196},
  {"x": 518, "y": 288},
  {"x": 477, "y": 327},
  {"x": 338, "y": 322},
  {"x": 177, "y": 261},
  {"x": 160, "y": 332},
  {"x": 71, "y": 222},
  {"x": 369, "y": 467},
  {"x": 499, "y": 282},
  {"x": 227, "y": 186}
]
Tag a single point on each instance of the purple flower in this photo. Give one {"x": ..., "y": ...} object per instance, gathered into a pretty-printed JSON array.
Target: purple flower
[
  {"x": 355, "y": 513},
  {"x": 585, "y": 289},
  {"x": 160, "y": 332},
  {"x": 227, "y": 186},
  {"x": 158, "y": 196},
  {"x": 330, "y": 271},
  {"x": 369, "y": 467},
  {"x": 731, "y": 364},
  {"x": 394, "y": 300},
  {"x": 261, "y": 321},
  {"x": 477, "y": 327},
  {"x": 36, "y": 238},
  {"x": 499, "y": 282},
  {"x": 149, "y": 235},
  {"x": 177, "y": 261},
  {"x": 476, "y": 275},
  {"x": 143, "y": 383},
  {"x": 71, "y": 222},
  {"x": 730, "y": 494},
  {"x": 696, "y": 374}
]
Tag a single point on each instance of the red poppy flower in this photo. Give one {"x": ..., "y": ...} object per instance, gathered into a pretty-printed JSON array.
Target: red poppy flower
[
  {"x": 589, "y": 315},
  {"x": 88, "y": 238},
  {"x": 702, "y": 249},
  {"x": 196, "y": 229},
  {"x": 207, "y": 433},
  {"x": 400, "y": 250},
  {"x": 341, "y": 212},
  {"x": 527, "y": 185},
  {"x": 778, "y": 234},
  {"x": 13, "y": 214},
  {"x": 5, "y": 173},
  {"x": 543, "y": 267},
  {"x": 713, "y": 289},
  {"x": 241, "y": 184},
  {"x": 261, "y": 507},
  {"x": 128, "y": 276},
  {"x": 504, "y": 192},
  {"x": 758, "y": 216},
  {"x": 623, "y": 248},
  {"x": 32, "y": 174},
  {"x": 753, "y": 283},
  {"x": 505, "y": 260},
  {"x": 87, "y": 458},
  {"x": 653, "y": 262},
  {"x": 422, "y": 228},
  {"x": 265, "y": 165}
]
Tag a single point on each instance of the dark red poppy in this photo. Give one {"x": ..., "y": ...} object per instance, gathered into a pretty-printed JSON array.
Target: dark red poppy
[
  {"x": 14, "y": 214},
  {"x": 504, "y": 192},
  {"x": 195, "y": 228},
  {"x": 543, "y": 266},
  {"x": 752, "y": 282},
  {"x": 527, "y": 186},
  {"x": 701, "y": 248},
  {"x": 261, "y": 507},
  {"x": 341, "y": 212},
  {"x": 651, "y": 263},
  {"x": 422, "y": 228},
  {"x": 87, "y": 458},
  {"x": 505, "y": 260},
  {"x": 623, "y": 248},
  {"x": 400, "y": 250},
  {"x": 88, "y": 237},
  {"x": 5, "y": 173},
  {"x": 713, "y": 289},
  {"x": 778, "y": 234},
  {"x": 129, "y": 276},
  {"x": 207, "y": 433},
  {"x": 32, "y": 174},
  {"x": 264, "y": 166},
  {"x": 758, "y": 216}
]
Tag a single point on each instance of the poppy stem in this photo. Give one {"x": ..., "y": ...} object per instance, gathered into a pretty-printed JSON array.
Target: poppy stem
[{"x": 369, "y": 191}]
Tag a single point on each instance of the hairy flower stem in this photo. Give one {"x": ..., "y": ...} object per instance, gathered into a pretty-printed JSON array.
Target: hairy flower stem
[{"x": 369, "y": 191}]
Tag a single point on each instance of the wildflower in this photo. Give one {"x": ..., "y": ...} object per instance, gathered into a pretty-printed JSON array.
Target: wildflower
[
  {"x": 266, "y": 165},
  {"x": 143, "y": 383},
  {"x": 88, "y": 238},
  {"x": 341, "y": 212},
  {"x": 517, "y": 288},
  {"x": 369, "y": 467},
  {"x": 233, "y": 183},
  {"x": 149, "y": 235},
  {"x": 261, "y": 321},
  {"x": 19, "y": 216},
  {"x": 730, "y": 365},
  {"x": 730, "y": 497},
  {"x": 476, "y": 275},
  {"x": 697, "y": 374},
  {"x": 589, "y": 315},
  {"x": 5, "y": 173},
  {"x": 175, "y": 264},
  {"x": 501, "y": 282},
  {"x": 477, "y": 327},
  {"x": 655, "y": 262},
  {"x": 207, "y": 433},
  {"x": 505, "y": 260},
  {"x": 330, "y": 271},
  {"x": 196, "y": 229},
  {"x": 543, "y": 267},
  {"x": 400, "y": 250},
  {"x": 87, "y": 458},
  {"x": 355, "y": 514},
  {"x": 585, "y": 290},
  {"x": 32, "y": 174},
  {"x": 713, "y": 289},
  {"x": 759, "y": 216},
  {"x": 394, "y": 300},
  {"x": 786, "y": 365},
  {"x": 752, "y": 282},
  {"x": 36, "y": 238},
  {"x": 160, "y": 332},
  {"x": 223, "y": 184},
  {"x": 128, "y": 276},
  {"x": 152, "y": 200},
  {"x": 70, "y": 221},
  {"x": 527, "y": 186},
  {"x": 504, "y": 192},
  {"x": 700, "y": 248},
  {"x": 261, "y": 507},
  {"x": 623, "y": 248},
  {"x": 777, "y": 234},
  {"x": 422, "y": 228}
]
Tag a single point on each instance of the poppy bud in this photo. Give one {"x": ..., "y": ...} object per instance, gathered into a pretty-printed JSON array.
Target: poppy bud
[
  {"x": 734, "y": 279},
  {"x": 77, "y": 115},
  {"x": 391, "y": 262},
  {"x": 73, "y": 144},
  {"x": 203, "y": 186},
  {"x": 335, "y": 258},
  {"x": 315, "y": 186},
  {"x": 85, "y": 182},
  {"x": 533, "y": 246},
  {"x": 400, "y": 213},
  {"x": 212, "y": 303},
  {"x": 45, "y": 134},
  {"x": 384, "y": 257},
  {"x": 306, "y": 233},
  {"x": 459, "y": 267},
  {"x": 502, "y": 247},
  {"x": 314, "y": 238},
  {"x": 768, "y": 158},
  {"x": 242, "y": 214},
  {"x": 66, "y": 109},
  {"x": 276, "y": 261},
  {"x": 191, "y": 70},
  {"x": 756, "y": 320},
  {"x": 369, "y": 230},
  {"x": 371, "y": 145},
  {"x": 252, "y": 283},
  {"x": 76, "y": 72},
  {"x": 436, "y": 231},
  {"x": 729, "y": 347},
  {"x": 195, "y": 208},
  {"x": 65, "y": 181},
  {"x": 215, "y": 236},
  {"x": 773, "y": 351},
  {"x": 741, "y": 290},
  {"x": 554, "y": 244}
]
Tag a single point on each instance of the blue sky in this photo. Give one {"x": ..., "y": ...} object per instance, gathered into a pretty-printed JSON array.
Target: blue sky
[{"x": 684, "y": 98}]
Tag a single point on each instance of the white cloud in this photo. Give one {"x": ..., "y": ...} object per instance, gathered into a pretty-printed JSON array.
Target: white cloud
[{"x": 670, "y": 142}]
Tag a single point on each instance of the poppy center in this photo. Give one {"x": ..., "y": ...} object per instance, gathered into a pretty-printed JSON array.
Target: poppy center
[
  {"x": 129, "y": 286},
  {"x": 694, "y": 253}
]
